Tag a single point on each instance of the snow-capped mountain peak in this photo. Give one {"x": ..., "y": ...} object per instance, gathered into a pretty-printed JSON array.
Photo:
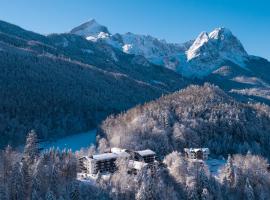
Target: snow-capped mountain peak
[
  {"x": 91, "y": 30},
  {"x": 193, "y": 51},
  {"x": 198, "y": 57},
  {"x": 220, "y": 33},
  {"x": 219, "y": 44},
  {"x": 210, "y": 50}
]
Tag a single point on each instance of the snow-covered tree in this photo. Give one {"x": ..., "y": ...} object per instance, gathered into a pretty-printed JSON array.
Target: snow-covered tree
[
  {"x": 248, "y": 192},
  {"x": 31, "y": 149}
]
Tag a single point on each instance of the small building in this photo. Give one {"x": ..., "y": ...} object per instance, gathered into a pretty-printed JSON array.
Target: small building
[
  {"x": 147, "y": 156},
  {"x": 103, "y": 163},
  {"x": 106, "y": 162},
  {"x": 197, "y": 153}
]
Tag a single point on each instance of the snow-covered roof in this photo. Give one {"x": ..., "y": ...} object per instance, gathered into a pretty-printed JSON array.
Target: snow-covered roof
[
  {"x": 117, "y": 150},
  {"x": 120, "y": 152},
  {"x": 105, "y": 156},
  {"x": 146, "y": 152},
  {"x": 206, "y": 150},
  {"x": 136, "y": 164}
]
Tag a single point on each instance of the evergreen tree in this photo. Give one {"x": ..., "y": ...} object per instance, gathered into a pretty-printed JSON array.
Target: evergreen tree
[
  {"x": 229, "y": 173},
  {"x": 26, "y": 180},
  {"x": 74, "y": 193},
  {"x": 15, "y": 184},
  {"x": 50, "y": 195},
  {"x": 3, "y": 191},
  {"x": 248, "y": 192},
  {"x": 31, "y": 149}
]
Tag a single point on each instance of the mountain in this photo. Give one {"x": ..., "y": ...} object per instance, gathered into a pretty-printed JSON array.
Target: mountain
[
  {"x": 64, "y": 84},
  {"x": 155, "y": 50},
  {"x": 91, "y": 30},
  {"x": 198, "y": 116},
  {"x": 204, "y": 58},
  {"x": 210, "y": 50}
]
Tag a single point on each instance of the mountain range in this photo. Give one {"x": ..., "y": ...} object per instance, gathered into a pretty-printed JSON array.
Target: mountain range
[
  {"x": 69, "y": 82},
  {"x": 217, "y": 57}
]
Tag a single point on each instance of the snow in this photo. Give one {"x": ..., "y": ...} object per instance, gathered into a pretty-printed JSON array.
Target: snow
[
  {"x": 250, "y": 80},
  {"x": 199, "y": 42},
  {"x": 97, "y": 36},
  {"x": 105, "y": 156},
  {"x": 206, "y": 150},
  {"x": 146, "y": 152},
  {"x": 91, "y": 30},
  {"x": 88, "y": 51},
  {"x": 91, "y": 179},
  {"x": 209, "y": 51},
  {"x": 196, "y": 58},
  {"x": 215, "y": 164},
  {"x": 136, "y": 164},
  {"x": 113, "y": 56},
  {"x": 127, "y": 48},
  {"x": 73, "y": 142},
  {"x": 215, "y": 34},
  {"x": 65, "y": 42},
  {"x": 258, "y": 92}
]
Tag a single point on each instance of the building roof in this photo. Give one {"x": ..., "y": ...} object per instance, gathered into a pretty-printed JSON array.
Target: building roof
[
  {"x": 105, "y": 156},
  {"x": 206, "y": 150},
  {"x": 146, "y": 152},
  {"x": 117, "y": 150}
]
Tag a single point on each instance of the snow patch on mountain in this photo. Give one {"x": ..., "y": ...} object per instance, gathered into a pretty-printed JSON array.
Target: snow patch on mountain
[
  {"x": 194, "y": 50},
  {"x": 251, "y": 80}
]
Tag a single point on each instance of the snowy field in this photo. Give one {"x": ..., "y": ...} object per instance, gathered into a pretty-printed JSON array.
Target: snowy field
[{"x": 73, "y": 142}]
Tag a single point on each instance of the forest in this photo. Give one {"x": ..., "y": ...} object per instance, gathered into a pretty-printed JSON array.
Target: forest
[
  {"x": 198, "y": 116},
  {"x": 52, "y": 174},
  {"x": 59, "y": 89}
]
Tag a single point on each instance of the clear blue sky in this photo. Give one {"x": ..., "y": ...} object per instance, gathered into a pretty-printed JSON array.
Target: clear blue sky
[{"x": 173, "y": 20}]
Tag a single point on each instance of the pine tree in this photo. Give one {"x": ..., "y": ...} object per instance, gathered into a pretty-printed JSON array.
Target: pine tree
[
  {"x": 31, "y": 149},
  {"x": 54, "y": 180},
  {"x": 3, "y": 191},
  {"x": 147, "y": 188},
  {"x": 26, "y": 180},
  {"x": 7, "y": 163},
  {"x": 35, "y": 195},
  {"x": 205, "y": 195},
  {"x": 50, "y": 195},
  {"x": 15, "y": 184},
  {"x": 248, "y": 192},
  {"x": 229, "y": 172},
  {"x": 74, "y": 193}
]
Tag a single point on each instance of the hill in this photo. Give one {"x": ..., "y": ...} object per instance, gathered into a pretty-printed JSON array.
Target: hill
[{"x": 198, "y": 116}]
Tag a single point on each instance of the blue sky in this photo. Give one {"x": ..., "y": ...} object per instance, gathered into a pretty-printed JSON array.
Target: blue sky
[{"x": 173, "y": 20}]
